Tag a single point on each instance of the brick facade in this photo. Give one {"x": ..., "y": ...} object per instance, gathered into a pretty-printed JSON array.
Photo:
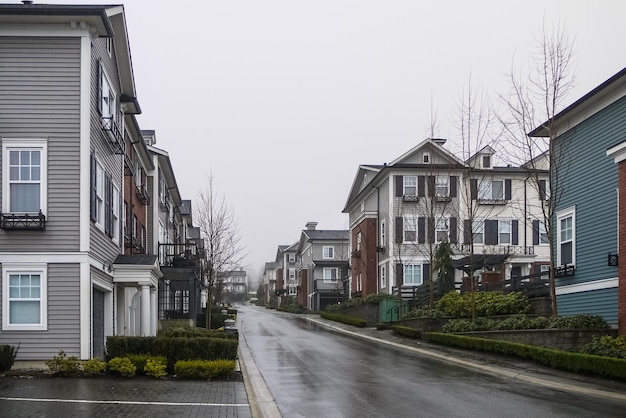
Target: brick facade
[{"x": 364, "y": 261}]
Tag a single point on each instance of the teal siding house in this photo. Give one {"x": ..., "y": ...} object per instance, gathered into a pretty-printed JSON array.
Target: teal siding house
[{"x": 586, "y": 200}]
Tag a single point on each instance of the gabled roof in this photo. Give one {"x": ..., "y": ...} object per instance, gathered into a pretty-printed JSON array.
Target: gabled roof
[
  {"x": 606, "y": 93},
  {"x": 325, "y": 235},
  {"x": 165, "y": 164},
  {"x": 410, "y": 157},
  {"x": 486, "y": 150}
]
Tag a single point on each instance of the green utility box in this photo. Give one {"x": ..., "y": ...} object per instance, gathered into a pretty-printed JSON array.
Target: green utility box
[{"x": 391, "y": 310}]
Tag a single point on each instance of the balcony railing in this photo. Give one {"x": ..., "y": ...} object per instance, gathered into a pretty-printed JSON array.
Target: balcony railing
[
  {"x": 129, "y": 166},
  {"x": 115, "y": 134},
  {"x": 179, "y": 255},
  {"x": 164, "y": 201},
  {"x": 492, "y": 201},
  {"x": 142, "y": 194},
  {"x": 410, "y": 198},
  {"x": 496, "y": 249},
  {"x": 22, "y": 221}
]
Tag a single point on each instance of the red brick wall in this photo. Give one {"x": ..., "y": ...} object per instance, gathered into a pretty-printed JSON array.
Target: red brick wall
[
  {"x": 303, "y": 290},
  {"x": 365, "y": 262},
  {"x": 621, "y": 303},
  {"x": 279, "y": 279}
]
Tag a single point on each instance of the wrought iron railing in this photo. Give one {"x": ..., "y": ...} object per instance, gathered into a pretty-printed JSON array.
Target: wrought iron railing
[
  {"x": 179, "y": 255},
  {"x": 11, "y": 221},
  {"x": 116, "y": 136},
  {"x": 142, "y": 194}
]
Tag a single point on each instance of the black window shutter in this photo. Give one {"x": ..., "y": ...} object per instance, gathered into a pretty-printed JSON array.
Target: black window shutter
[
  {"x": 431, "y": 186},
  {"x": 431, "y": 229},
  {"x": 542, "y": 189},
  {"x": 514, "y": 232},
  {"x": 421, "y": 230},
  {"x": 426, "y": 273},
  {"x": 491, "y": 232},
  {"x": 92, "y": 167},
  {"x": 536, "y": 232},
  {"x": 453, "y": 180},
  {"x": 474, "y": 189},
  {"x": 467, "y": 233},
  {"x": 99, "y": 84},
  {"x": 399, "y": 274},
  {"x": 453, "y": 232},
  {"x": 420, "y": 186},
  {"x": 107, "y": 205},
  {"x": 399, "y": 229},
  {"x": 399, "y": 186},
  {"x": 507, "y": 189}
]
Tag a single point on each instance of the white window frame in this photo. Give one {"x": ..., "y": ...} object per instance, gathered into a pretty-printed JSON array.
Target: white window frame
[
  {"x": 409, "y": 186},
  {"x": 485, "y": 190},
  {"x": 426, "y": 158},
  {"x": 478, "y": 229},
  {"x": 443, "y": 226},
  {"x": 359, "y": 239},
  {"x": 292, "y": 274},
  {"x": 442, "y": 182},
  {"x": 383, "y": 276},
  {"x": 25, "y": 144},
  {"x": 291, "y": 258},
  {"x": 383, "y": 233},
  {"x": 413, "y": 269},
  {"x": 505, "y": 227},
  {"x": 108, "y": 96},
  {"x": 100, "y": 175},
  {"x": 115, "y": 218},
  {"x": 40, "y": 269},
  {"x": 545, "y": 268},
  {"x": 563, "y": 215},
  {"x": 328, "y": 252},
  {"x": 328, "y": 274},
  {"x": 292, "y": 289},
  {"x": 409, "y": 225},
  {"x": 543, "y": 232}
]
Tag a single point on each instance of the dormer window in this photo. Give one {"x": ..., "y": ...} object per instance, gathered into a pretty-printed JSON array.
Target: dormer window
[
  {"x": 426, "y": 158},
  {"x": 486, "y": 161}
]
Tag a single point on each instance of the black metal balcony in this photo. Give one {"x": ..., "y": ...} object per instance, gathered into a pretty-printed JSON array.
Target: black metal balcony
[
  {"x": 129, "y": 166},
  {"x": 11, "y": 221},
  {"x": 179, "y": 255},
  {"x": 142, "y": 195},
  {"x": 115, "y": 134}
]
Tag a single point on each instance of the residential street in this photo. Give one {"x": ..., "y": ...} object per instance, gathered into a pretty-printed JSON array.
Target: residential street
[{"x": 312, "y": 372}]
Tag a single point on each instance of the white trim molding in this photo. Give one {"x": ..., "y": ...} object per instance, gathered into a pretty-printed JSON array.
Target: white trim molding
[{"x": 587, "y": 286}]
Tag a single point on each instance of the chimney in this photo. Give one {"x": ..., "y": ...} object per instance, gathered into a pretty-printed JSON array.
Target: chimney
[
  {"x": 310, "y": 226},
  {"x": 439, "y": 141}
]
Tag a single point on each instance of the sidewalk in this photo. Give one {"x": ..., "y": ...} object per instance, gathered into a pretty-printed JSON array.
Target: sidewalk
[{"x": 501, "y": 365}]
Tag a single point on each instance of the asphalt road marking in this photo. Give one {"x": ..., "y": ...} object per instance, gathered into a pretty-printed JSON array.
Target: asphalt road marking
[{"x": 114, "y": 402}]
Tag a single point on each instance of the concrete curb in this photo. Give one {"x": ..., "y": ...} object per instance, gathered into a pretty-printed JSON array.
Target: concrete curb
[
  {"x": 261, "y": 401},
  {"x": 486, "y": 368}
]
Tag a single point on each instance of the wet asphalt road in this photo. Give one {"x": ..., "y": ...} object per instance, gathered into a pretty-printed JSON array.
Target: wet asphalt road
[{"x": 315, "y": 373}]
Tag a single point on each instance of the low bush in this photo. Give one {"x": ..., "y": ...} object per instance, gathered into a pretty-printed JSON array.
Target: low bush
[
  {"x": 564, "y": 360},
  {"x": 606, "y": 346},
  {"x": 140, "y": 361},
  {"x": 382, "y": 325},
  {"x": 63, "y": 364},
  {"x": 373, "y": 298},
  {"x": 423, "y": 313},
  {"x": 350, "y": 320},
  {"x": 193, "y": 332},
  {"x": 7, "y": 356},
  {"x": 522, "y": 322},
  {"x": 204, "y": 369},
  {"x": 156, "y": 367},
  {"x": 407, "y": 331},
  {"x": 122, "y": 366},
  {"x": 485, "y": 304},
  {"x": 94, "y": 366},
  {"x": 583, "y": 321}
]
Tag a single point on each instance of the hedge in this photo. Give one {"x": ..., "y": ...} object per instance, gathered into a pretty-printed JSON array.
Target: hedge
[
  {"x": 350, "y": 320},
  {"x": 564, "y": 360},
  {"x": 406, "y": 331}
]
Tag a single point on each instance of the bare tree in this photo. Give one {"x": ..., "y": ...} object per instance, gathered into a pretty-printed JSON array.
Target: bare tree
[
  {"x": 535, "y": 97},
  {"x": 219, "y": 228}
]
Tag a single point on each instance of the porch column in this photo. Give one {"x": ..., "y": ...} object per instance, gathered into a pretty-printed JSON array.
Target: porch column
[
  {"x": 154, "y": 315},
  {"x": 145, "y": 309}
]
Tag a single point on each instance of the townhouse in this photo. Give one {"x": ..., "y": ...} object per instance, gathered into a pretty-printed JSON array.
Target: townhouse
[
  {"x": 588, "y": 196},
  {"x": 400, "y": 212},
  {"x": 234, "y": 285},
  {"x": 89, "y": 205}
]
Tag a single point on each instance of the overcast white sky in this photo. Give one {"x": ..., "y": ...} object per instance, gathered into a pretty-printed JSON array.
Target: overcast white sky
[{"x": 283, "y": 99}]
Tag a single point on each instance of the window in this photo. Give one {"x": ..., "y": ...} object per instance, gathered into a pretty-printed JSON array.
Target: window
[
  {"x": 410, "y": 186},
  {"x": 293, "y": 290},
  {"x": 426, "y": 158},
  {"x": 24, "y": 189},
  {"x": 491, "y": 189},
  {"x": 544, "y": 268},
  {"x": 486, "y": 161},
  {"x": 330, "y": 274},
  {"x": 412, "y": 274},
  {"x": 26, "y": 304},
  {"x": 410, "y": 229},
  {"x": 566, "y": 248},
  {"x": 504, "y": 232},
  {"x": 329, "y": 252},
  {"x": 442, "y": 186},
  {"x": 99, "y": 195},
  {"x": 359, "y": 283},
  {"x": 441, "y": 230},
  {"x": 292, "y": 258},
  {"x": 359, "y": 239},
  {"x": 292, "y": 274},
  {"x": 108, "y": 45},
  {"x": 543, "y": 233},
  {"x": 478, "y": 229},
  {"x": 115, "y": 215},
  {"x": 383, "y": 233},
  {"x": 107, "y": 96},
  {"x": 383, "y": 277}
]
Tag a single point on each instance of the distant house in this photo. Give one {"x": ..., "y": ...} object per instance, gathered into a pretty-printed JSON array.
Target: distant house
[
  {"x": 322, "y": 267},
  {"x": 234, "y": 285},
  {"x": 268, "y": 283},
  {"x": 587, "y": 203},
  {"x": 400, "y": 212}
]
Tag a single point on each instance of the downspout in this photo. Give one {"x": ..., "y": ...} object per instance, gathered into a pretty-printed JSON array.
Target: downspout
[
  {"x": 377, "y": 237},
  {"x": 525, "y": 216}
]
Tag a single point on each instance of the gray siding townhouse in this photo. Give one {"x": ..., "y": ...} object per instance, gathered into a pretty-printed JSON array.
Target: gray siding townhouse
[
  {"x": 323, "y": 267},
  {"x": 401, "y": 211},
  {"x": 586, "y": 211},
  {"x": 67, "y": 95}
]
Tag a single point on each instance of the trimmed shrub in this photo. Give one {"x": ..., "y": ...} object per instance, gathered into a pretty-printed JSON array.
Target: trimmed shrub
[
  {"x": 374, "y": 298},
  {"x": 156, "y": 367},
  {"x": 381, "y": 326},
  {"x": 350, "y": 320},
  {"x": 63, "y": 364},
  {"x": 423, "y": 313},
  {"x": 583, "y": 321},
  {"x": 193, "y": 332},
  {"x": 606, "y": 346},
  {"x": 204, "y": 369},
  {"x": 122, "y": 366},
  {"x": 94, "y": 366},
  {"x": 7, "y": 356},
  {"x": 407, "y": 331},
  {"x": 485, "y": 303},
  {"x": 140, "y": 361},
  {"x": 521, "y": 322}
]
